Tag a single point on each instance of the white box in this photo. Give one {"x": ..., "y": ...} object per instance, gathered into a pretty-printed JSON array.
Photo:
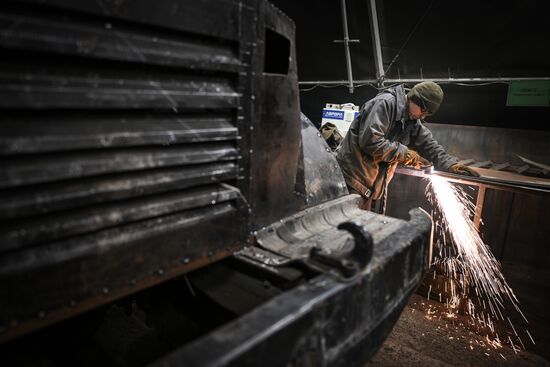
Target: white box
[{"x": 340, "y": 115}]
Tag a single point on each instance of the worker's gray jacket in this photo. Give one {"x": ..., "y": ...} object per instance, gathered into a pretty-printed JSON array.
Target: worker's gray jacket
[{"x": 378, "y": 139}]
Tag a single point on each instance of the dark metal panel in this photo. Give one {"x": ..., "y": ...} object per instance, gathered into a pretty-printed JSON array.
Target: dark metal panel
[
  {"x": 21, "y": 170},
  {"x": 71, "y": 276},
  {"x": 117, "y": 119},
  {"x": 27, "y": 201},
  {"x": 33, "y": 134},
  {"x": 83, "y": 87},
  {"x": 218, "y": 18},
  {"x": 72, "y": 35},
  {"x": 276, "y": 139},
  {"x": 34, "y": 231},
  {"x": 276, "y": 150}
]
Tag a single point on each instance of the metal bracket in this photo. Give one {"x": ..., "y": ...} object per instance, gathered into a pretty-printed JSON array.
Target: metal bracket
[{"x": 354, "y": 261}]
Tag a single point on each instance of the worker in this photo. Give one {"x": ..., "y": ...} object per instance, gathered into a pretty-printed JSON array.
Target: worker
[{"x": 389, "y": 131}]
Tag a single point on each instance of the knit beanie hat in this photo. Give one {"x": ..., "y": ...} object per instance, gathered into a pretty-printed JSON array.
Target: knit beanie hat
[{"x": 426, "y": 95}]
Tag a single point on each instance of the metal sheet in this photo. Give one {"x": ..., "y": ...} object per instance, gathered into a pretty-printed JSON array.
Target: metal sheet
[
  {"x": 322, "y": 174},
  {"x": 56, "y": 226},
  {"x": 29, "y": 201},
  {"x": 26, "y": 170},
  {"x": 66, "y": 132},
  {"x": 75, "y": 34}
]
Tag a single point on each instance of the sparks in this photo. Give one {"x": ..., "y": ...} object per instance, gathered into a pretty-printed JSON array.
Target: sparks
[{"x": 464, "y": 257}]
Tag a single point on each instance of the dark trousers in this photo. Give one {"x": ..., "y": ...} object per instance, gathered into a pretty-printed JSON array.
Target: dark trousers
[{"x": 367, "y": 203}]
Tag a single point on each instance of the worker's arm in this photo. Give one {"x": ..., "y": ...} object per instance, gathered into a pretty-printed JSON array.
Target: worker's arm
[
  {"x": 373, "y": 126},
  {"x": 423, "y": 141}
]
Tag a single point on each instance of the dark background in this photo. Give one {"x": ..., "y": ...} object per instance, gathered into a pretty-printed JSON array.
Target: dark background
[{"x": 466, "y": 39}]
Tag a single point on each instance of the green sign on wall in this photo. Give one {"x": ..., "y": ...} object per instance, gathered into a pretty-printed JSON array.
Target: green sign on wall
[{"x": 534, "y": 93}]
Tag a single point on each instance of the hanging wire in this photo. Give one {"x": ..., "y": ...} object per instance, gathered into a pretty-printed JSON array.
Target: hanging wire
[
  {"x": 475, "y": 84},
  {"x": 409, "y": 37},
  {"x": 335, "y": 86}
]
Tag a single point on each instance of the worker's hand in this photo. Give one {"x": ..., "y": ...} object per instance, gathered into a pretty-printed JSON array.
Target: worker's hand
[
  {"x": 413, "y": 159},
  {"x": 462, "y": 169}
]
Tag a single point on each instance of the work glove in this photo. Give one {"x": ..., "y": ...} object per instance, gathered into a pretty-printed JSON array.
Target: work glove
[
  {"x": 413, "y": 159},
  {"x": 462, "y": 169}
]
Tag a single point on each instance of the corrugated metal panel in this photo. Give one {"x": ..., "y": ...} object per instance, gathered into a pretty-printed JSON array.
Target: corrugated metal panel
[{"x": 119, "y": 146}]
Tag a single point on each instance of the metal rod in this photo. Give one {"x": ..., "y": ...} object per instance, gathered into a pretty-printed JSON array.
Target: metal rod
[
  {"x": 376, "y": 42},
  {"x": 479, "y": 206},
  {"x": 346, "y": 46},
  {"x": 437, "y": 80},
  {"x": 477, "y": 181}
]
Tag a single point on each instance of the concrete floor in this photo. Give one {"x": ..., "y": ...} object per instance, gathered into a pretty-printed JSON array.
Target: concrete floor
[{"x": 426, "y": 336}]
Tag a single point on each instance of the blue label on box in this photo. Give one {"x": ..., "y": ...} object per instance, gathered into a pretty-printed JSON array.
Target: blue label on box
[{"x": 333, "y": 114}]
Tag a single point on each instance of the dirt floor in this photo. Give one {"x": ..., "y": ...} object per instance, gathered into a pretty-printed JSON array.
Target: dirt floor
[
  {"x": 422, "y": 338},
  {"x": 426, "y": 335}
]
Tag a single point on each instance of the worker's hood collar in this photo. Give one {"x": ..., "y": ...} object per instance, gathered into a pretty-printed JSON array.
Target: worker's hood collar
[{"x": 401, "y": 101}]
